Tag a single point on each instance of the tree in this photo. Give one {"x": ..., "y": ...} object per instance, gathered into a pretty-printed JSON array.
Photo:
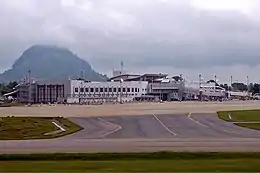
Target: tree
[
  {"x": 226, "y": 87},
  {"x": 255, "y": 88},
  {"x": 7, "y": 88},
  {"x": 240, "y": 86},
  {"x": 251, "y": 88},
  {"x": 177, "y": 78}
]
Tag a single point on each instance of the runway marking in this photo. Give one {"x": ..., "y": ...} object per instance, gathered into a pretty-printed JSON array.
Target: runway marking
[
  {"x": 189, "y": 117},
  {"x": 164, "y": 126},
  {"x": 231, "y": 131},
  {"x": 107, "y": 122},
  {"x": 57, "y": 125},
  {"x": 229, "y": 116}
]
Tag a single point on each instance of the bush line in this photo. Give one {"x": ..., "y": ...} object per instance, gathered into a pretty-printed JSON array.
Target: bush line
[{"x": 127, "y": 156}]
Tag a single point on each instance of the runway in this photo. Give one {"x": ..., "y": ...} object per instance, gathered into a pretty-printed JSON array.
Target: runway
[{"x": 168, "y": 132}]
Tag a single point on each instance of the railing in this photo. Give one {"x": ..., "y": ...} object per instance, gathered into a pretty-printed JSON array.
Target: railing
[{"x": 159, "y": 86}]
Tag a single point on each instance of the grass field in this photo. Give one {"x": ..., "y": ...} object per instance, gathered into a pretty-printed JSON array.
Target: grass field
[
  {"x": 22, "y": 128},
  {"x": 233, "y": 165},
  {"x": 13, "y": 104},
  {"x": 255, "y": 126},
  {"x": 132, "y": 162},
  {"x": 240, "y": 116}
]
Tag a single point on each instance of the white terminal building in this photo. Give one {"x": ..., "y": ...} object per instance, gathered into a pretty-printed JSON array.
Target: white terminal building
[
  {"x": 123, "y": 87},
  {"x": 86, "y": 92}
]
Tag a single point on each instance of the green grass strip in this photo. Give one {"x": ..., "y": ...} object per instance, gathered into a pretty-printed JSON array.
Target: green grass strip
[
  {"x": 255, "y": 126},
  {"x": 240, "y": 116},
  {"x": 127, "y": 156},
  {"x": 26, "y": 128},
  {"x": 201, "y": 165}
]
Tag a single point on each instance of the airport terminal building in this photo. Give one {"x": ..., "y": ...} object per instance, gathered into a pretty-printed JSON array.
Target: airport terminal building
[{"x": 122, "y": 87}]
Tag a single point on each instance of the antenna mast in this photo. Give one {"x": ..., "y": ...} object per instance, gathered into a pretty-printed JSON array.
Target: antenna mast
[
  {"x": 82, "y": 74},
  {"x": 247, "y": 81},
  {"x": 122, "y": 66},
  {"x": 29, "y": 87}
]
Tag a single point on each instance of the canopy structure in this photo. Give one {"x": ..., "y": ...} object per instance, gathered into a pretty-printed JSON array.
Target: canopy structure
[
  {"x": 11, "y": 93},
  {"x": 144, "y": 77}
]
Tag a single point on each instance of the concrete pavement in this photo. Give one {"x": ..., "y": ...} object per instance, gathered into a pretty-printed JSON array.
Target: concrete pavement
[{"x": 194, "y": 132}]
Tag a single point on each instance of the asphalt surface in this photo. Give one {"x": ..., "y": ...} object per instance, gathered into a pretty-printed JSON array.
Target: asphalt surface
[
  {"x": 159, "y": 126},
  {"x": 193, "y": 132}
]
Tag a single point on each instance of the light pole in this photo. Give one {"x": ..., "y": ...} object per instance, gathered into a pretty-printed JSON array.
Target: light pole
[
  {"x": 231, "y": 82},
  {"x": 200, "y": 92},
  {"x": 81, "y": 93},
  {"x": 200, "y": 80},
  {"x": 247, "y": 81},
  {"x": 181, "y": 88},
  {"x": 121, "y": 81},
  {"x": 215, "y": 79},
  {"x": 259, "y": 87},
  {"x": 29, "y": 87}
]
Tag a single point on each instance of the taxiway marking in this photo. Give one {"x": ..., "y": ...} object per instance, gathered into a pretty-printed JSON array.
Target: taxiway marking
[
  {"x": 111, "y": 132},
  {"x": 230, "y": 131},
  {"x": 189, "y": 117},
  {"x": 164, "y": 126}
]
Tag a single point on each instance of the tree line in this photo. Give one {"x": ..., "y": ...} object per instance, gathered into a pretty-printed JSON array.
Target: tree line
[
  {"x": 253, "y": 88},
  {"x": 6, "y": 88}
]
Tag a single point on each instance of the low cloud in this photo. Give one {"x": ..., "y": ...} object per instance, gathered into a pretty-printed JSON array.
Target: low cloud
[{"x": 145, "y": 34}]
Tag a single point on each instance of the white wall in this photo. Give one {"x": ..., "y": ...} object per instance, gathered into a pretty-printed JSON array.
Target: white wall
[
  {"x": 72, "y": 100},
  {"x": 207, "y": 89},
  {"x": 130, "y": 89}
]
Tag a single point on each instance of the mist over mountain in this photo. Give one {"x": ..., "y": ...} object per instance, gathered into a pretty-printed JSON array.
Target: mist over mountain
[{"x": 47, "y": 62}]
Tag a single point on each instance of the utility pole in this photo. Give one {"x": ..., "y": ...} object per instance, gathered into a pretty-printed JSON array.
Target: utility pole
[
  {"x": 215, "y": 79},
  {"x": 199, "y": 80},
  {"x": 122, "y": 67},
  {"x": 181, "y": 88},
  {"x": 121, "y": 81},
  {"x": 200, "y": 92},
  {"x": 29, "y": 88},
  {"x": 258, "y": 87},
  {"x": 247, "y": 81},
  {"x": 231, "y": 82},
  {"x": 82, "y": 74}
]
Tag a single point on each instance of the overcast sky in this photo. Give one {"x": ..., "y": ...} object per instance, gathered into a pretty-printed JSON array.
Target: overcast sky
[{"x": 186, "y": 37}]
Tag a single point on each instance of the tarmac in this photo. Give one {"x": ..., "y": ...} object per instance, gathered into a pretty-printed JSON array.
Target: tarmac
[
  {"x": 150, "y": 132},
  {"x": 141, "y": 108}
]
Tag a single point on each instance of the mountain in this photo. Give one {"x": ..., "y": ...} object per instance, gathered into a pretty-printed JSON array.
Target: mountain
[{"x": 49, "y": 63}]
